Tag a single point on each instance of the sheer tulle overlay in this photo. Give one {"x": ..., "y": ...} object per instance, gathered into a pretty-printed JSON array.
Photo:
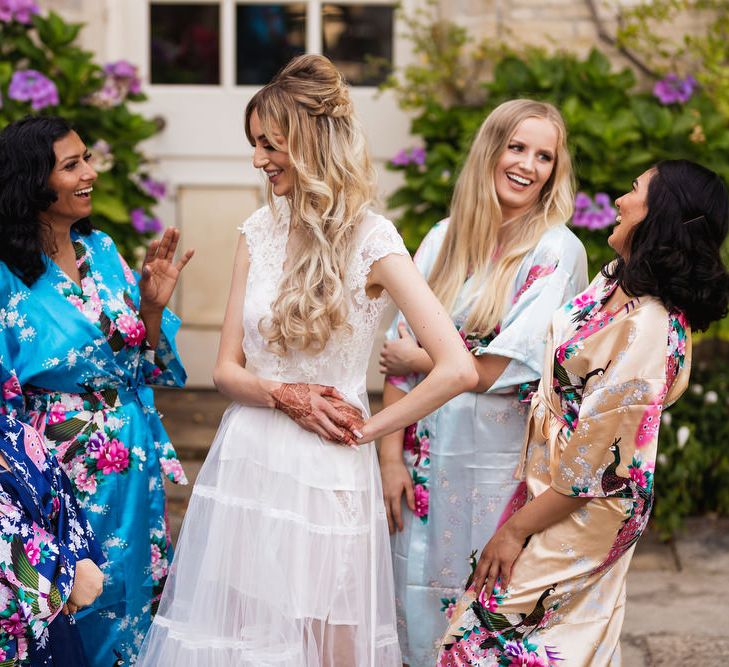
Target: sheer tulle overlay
[{"x": 284, "y": 556}]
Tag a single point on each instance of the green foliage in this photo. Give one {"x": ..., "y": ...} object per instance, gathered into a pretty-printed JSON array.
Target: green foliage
[
  {"x": 653, "y": 30},
  {"x": 617, "y": 129},
  {"x": 94, "y": 104},
  {"x": 692, "y": 472}
]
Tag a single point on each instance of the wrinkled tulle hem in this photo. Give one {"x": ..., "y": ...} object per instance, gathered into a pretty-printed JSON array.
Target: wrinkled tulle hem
[{"x": 274, "y": 568}]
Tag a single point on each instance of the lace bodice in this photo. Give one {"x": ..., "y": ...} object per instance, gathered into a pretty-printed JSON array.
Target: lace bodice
[{"x": 343, "y": 361}]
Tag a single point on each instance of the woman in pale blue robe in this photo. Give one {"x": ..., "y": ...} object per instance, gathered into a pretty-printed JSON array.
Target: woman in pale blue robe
[
  {"x": 76, "y": 363},
  {"x": 460, "y": 460}
]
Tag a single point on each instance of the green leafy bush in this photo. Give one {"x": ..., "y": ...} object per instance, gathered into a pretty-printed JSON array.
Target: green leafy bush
[
  {"x": 43, "y": 71},
  {"x": 692, "y": 470}
]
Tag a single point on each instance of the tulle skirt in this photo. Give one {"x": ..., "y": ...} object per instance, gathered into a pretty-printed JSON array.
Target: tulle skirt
[{"x": 283, "y": 558}]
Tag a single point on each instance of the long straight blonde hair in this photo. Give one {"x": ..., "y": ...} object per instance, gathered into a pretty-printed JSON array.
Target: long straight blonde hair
[
  {"x": 477, "y": 241},
  {"x": 333, "y": 184}
]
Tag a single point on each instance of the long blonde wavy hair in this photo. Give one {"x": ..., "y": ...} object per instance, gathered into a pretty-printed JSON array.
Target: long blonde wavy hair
[
  {"x": 478, "y": 241},
  {"x": 333, "y": 184}
]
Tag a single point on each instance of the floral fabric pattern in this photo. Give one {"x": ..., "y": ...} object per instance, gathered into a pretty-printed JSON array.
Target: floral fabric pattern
[
  {"x": 593, "y": 432},
  {"x": 44, "y": 534},
  {"x": 82, "y": 378},
  {"x": 461, "y": 458}
]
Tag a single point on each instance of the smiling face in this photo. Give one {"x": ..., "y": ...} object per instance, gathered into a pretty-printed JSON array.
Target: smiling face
[
  {"x": 525, "y": 166},
  {"x": 632, "y": 209},
  {"x": 274, "y": 161},
  {"x": 72, "y": 179}
]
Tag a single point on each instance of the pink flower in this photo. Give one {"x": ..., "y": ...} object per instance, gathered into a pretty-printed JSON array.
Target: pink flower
[
  {"x": 585, "y": 299},
  {"x": 491, "y": 604},
  {"x": 33, "y": 552},
  {"x": 57, "y": 413},
  {"x": 424, "y": 445},
  {"x": 14, "y": 625},
  {"x": 132, "y": 329},
  {"x": 409, "y": 439},
  {"x": 11, "y": 388},
  {"x": 173, "y": 469},
  {"x": 114, "y": 457},
  {"x": 638, "y": 476},
  {"x": 156, "y": 372},
  {"x": 421, "y": 500},
  {"x": 83, "y": 481},
  {"x": 75, "y": 300},
  {"x": 156, "y": 554},
  {"x": 449, "y": 610}
]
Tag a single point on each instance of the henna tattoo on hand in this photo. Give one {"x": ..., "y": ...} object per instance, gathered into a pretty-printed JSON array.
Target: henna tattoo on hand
[{"x": 294, "y": 400}]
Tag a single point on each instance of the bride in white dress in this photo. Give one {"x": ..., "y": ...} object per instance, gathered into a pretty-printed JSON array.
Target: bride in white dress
[{"x": 284, "y": 557}]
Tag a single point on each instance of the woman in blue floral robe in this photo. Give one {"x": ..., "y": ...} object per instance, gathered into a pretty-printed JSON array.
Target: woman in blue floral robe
[
  {"x": 76, "y": 362},
  {"x": 44, "y": 535}
]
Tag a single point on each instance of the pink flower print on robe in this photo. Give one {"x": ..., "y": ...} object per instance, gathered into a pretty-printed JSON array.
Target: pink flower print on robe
[
  {"x": 132, "y": 329},
  {"x": 11, "y": 388},
  {"x": 173, "y": 469},
  {"x": 421, "y": 500},
  {"x": 57, "y": 413},
  {"x": 113, "y": 457}
]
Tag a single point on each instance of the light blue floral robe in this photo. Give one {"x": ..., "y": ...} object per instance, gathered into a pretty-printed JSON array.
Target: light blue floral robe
[
  {"x": 462, "y": 457},
  {"x": 75, "y": 363}
]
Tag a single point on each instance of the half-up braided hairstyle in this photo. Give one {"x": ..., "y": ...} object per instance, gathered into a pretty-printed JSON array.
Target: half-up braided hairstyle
[
  {"x": 308, "y": 103},
  {"x": 675, "y": 252}
]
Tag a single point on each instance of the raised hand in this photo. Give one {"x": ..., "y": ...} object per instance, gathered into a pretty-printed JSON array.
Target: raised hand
[
  {"x": 160, "y": 272},
  {"x": 321, "y": 410}
]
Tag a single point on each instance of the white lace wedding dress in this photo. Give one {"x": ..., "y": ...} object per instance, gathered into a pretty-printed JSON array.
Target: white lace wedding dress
[{"x": 284, "y": 555}]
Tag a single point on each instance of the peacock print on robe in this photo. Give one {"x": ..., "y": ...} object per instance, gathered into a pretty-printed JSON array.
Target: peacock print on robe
[{"x": 593, "y": 432}]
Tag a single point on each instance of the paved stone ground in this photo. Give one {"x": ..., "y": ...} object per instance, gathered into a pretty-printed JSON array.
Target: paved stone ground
[{"x": 678, "y": 593}]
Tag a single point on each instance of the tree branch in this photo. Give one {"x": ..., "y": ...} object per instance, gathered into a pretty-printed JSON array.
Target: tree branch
[{"x": 606, "y": 37}]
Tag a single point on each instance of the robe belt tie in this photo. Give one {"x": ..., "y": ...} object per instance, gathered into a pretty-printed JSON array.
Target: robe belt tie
[{"x": 544, "y": 425}]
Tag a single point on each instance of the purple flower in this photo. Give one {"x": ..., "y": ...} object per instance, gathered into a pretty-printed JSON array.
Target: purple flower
[
  {"x": 156, "y": 189},
  {"x": 144, "y": 223},
  {"x": 125, "y": 73},
  {"x": 593, "y": 215},
  {"x": 402, "y": 159},
  {"x": 417, "y": 155},
  {"x": 20, "y": 10},
  {"x": 582, "y": 201},
  {"x": 30, "y": 85},
  {"x": 405, "y": 157},
  {"x": 672, "y": 90}
]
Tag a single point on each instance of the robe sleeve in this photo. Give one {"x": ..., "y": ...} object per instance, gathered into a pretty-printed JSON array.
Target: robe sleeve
[
  {"x": 614, "y": 443},
  {"x": 423, "y": 260},
  {"x": 37, "y": 567},
  {"x": 160, "y": 366},
  {"x": 12, "y": 401},
  {"x": 556, "y": 273}
]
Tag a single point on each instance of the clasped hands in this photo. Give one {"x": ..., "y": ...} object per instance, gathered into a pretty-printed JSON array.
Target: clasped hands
[{"x": 322, "y": 410}]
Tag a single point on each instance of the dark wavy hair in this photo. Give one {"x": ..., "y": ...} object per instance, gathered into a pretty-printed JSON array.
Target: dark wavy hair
[
  {"x": 26, "y": 161},
  {"x": 675, "y": 252}
]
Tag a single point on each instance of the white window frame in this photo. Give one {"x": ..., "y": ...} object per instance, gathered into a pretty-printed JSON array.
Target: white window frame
[{"x": 228, "y": 41}]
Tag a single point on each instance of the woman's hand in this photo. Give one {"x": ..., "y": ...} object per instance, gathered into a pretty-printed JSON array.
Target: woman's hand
[
  {"x": 403, "y": 355},
  {"x": 396, "y": 480},
  {"x": 321, "y": 410},
  {"x": 497, "y": 560},
  {"x": 160, "y": 272},
  {"x": 87, "y": 585}
]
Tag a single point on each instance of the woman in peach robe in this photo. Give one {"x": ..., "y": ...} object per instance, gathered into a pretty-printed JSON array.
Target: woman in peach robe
[{"x": 549, "y": 587}]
